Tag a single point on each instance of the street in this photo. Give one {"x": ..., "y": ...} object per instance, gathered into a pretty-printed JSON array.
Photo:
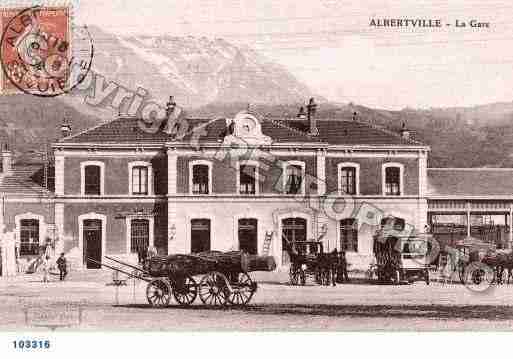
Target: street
[{"x": 85, "y": 302}]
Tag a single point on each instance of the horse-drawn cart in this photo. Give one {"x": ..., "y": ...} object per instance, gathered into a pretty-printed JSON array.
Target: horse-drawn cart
[
  {"x": 218, "y": 278},
  {"x": 309, "y": 258},
  {"x": 401, "y": 259}
]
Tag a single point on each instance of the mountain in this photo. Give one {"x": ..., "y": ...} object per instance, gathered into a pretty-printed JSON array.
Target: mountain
[
  {"x": 211, "y": 77},
  {"x": 28, "y": 122},
  {"x": 196, "y": 71}
]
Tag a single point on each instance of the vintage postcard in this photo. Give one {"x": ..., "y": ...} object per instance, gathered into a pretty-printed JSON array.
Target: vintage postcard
[{"x": 264, "y": 165}]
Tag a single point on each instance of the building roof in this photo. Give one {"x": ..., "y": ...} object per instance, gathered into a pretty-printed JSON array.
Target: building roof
[
  {"x": 331, "y": 131},
  {"x": 477, "y": 182},
  {"x": 25, "y": 180}
]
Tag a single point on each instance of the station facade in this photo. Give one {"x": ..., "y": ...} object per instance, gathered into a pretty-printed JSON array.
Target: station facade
[{"x": 243, "y": 183}]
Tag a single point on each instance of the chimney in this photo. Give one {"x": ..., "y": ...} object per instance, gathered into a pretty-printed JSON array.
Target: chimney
[
  {"x": 405, "y": 133},
  {"x": 6, "y": 160},
  {"x": 65, "y": 129},
  {"x": 310, "y": 111}
]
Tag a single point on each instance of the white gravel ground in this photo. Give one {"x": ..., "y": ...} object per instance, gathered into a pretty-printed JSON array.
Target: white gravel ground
[{"x": 25, "y": 302}]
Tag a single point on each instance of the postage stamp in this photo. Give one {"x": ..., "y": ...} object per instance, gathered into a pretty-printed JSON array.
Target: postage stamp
[{"x": 36, "y": 51}]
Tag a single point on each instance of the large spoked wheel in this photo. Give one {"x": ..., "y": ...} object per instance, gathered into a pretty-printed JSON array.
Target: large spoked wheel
[
  {"x": 158, "y": 293},
  {"x": 214, "y": 289},
  {"x": 242, "y": 290},
  {"x": 478, "y": 276},
  {"x": 185, "y": 290}
]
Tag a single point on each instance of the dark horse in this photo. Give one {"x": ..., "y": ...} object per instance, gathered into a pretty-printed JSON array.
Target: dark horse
[{"x": 327, "y": 267}]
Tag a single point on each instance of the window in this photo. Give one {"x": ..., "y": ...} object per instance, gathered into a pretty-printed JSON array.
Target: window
[
  {"x": 92, "y": 177},
  {"x": 392, "y": 179},
  {"x": 348, "y": 180},
  {"x": 201, "y": 180},
  {"x": 247, "y": 179},
  {"x": 139, "y": 235},
  {"x": 294, "y": 173},
  {"x": 200, "y": 235},
  {"x": 140, "y": 180},
  {"x": 92, "y": 180},
  {"x": 349, "y": 235},
  {"x": 29, "y": 237}
]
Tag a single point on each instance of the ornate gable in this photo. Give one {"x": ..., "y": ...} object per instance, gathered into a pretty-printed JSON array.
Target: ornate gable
[{"x": 247, "y": 126}]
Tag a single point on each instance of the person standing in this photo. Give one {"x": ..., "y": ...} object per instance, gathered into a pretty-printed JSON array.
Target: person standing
[
  {"x": 342, "y": 269},
  {"x": 45, "y": 267},
  {"x": 62, "y": 265}
]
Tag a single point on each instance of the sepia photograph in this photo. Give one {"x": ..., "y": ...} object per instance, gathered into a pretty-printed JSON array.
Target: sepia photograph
[{"x": 255, "y": 166}]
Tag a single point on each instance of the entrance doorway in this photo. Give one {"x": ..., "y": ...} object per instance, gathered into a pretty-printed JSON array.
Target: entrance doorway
[
  {"x": 248, "y": 235},
  {"x": 200, "y": 235},
  {"x": 92, "y": 234},
  {"x": 293, "y": 230}
]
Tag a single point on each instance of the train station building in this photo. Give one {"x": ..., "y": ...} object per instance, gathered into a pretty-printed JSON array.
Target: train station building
[{"x": 243, "y": 183}]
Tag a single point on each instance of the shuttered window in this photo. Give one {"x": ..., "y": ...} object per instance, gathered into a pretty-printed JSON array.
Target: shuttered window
[
  {"x": 349, "y": 235},
  {"x": 29, "y": 237},
  {"x": 92, "y": 180}
]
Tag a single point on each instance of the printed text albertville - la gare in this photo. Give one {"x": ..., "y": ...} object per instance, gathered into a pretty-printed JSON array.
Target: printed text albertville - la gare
[{"x": 406, "y": 22}]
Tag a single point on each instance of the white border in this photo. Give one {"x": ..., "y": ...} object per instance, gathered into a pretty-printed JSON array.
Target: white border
[{"x": 82, "y": 177}]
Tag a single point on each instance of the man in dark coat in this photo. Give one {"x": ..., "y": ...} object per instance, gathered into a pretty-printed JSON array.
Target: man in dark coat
[
  {"x": 62, "y": 265},
  {"x": 342, "y": 268}
]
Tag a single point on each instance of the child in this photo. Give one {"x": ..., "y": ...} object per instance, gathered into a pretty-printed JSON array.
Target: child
[{"x": 62, "y": 265}]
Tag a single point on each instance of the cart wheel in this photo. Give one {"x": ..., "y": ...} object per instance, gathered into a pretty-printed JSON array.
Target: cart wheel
[
  {"x": 158, "y": 293},
  {"x": 426, "y": 277},
  {"x": 213, "y": 289},
  {"x": 243, "y": 290},
  {"x": 185, "y": 290},
  {"x": 478, "y": 276}
]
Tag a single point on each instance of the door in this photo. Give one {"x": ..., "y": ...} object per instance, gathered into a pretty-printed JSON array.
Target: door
[
  {"x": 200, "y": 235},
  {"x": 293, "y": 230},
  {"x": 248, "y": 238},
  {"x": 92, "y": 242}
]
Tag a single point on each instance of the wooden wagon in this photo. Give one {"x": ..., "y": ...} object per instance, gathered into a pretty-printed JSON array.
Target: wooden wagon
[{"x": 218, "y": 278}]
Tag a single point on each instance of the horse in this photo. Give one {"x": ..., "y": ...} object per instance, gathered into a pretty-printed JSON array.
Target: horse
[
  {"x": 499, "y": 262},
  {"x": 328, "y": 265}
]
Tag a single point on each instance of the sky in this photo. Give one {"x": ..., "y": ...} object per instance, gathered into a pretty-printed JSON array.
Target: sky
[{"x": 331, "y": 47}]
